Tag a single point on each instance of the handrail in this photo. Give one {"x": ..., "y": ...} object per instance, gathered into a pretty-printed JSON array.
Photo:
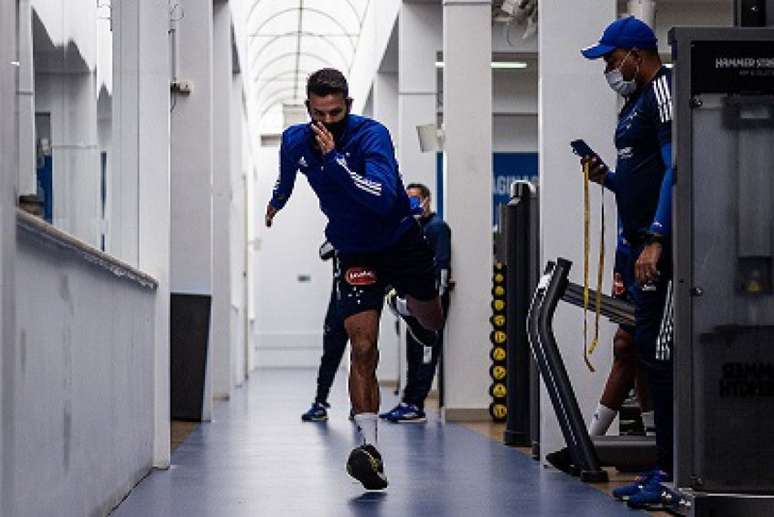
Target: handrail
[
  {"x": 48, "y": 233},
  {"x": 549, "y": 291}
]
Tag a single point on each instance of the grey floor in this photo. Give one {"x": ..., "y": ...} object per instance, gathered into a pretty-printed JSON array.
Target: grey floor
[{"x": 258, "y": 459}]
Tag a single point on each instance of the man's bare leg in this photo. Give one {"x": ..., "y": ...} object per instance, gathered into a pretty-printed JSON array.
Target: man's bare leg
[
  {"x": 363, "y": 331},
  {"x": 365, "y": 462},
  {"x": 428, "y": 313},
  {"x": 619, "y": 382}
]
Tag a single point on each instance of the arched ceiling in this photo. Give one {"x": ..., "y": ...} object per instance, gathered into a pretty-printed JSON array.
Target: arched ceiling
[{"x": 290, "y": 39}]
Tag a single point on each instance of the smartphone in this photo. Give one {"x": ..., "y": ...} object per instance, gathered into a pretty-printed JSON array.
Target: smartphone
[{"x": 582, "y": 149}]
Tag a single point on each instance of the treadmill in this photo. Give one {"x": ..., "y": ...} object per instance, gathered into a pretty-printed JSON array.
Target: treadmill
[{"x": 589, "y": 455}]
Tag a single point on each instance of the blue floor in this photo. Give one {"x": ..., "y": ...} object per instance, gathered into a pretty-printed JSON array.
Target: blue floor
[{"x": 258, "y": 459}]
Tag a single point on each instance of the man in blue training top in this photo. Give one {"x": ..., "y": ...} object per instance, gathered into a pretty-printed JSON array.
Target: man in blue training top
[
  {"x": 642, "y": 183},
  {"x": 422, "y": 360},
  {"x": 350, "y": 163}
]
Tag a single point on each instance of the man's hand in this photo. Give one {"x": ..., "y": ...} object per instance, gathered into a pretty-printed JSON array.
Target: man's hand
[
  {"x": 270, "y": 213},
  {"x": 323, "y": 137},
  {"x": 645, "y": 269},
  {"x": 597, "y": 168}
]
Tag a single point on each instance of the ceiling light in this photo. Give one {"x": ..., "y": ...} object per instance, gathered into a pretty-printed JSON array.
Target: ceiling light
[{"x": 497, "y": 65}]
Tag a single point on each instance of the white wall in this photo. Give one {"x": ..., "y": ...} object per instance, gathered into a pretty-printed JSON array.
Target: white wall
[
  {"x": 8, "y": 156},
  {"x": 83, "y": 384},
  {"x": 289, "y": 313},
  {"x": 375, "y": 35},
  {"x": 690, "y": 12}
]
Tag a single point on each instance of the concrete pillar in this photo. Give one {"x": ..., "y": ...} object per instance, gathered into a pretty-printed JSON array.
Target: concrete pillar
[
  {"x": 385, "y": 106},
  {"x": 27, "y": 183},
  {"x": 575, "y": 102},
  {"x": 76, "y": 155},
  {"x": 385, "y": 103},
  {"x": 221, "y": 201},
  {"x": 192, "y": 164},
  {"x": 141, "y": 108},
  {"x": 419, "y": 39},
  {"x": 645, "y": 10},
  {"x": 467, "y": 100},
  {"x": 238, "y": 238},
  {"x": 8, "y": 157}
]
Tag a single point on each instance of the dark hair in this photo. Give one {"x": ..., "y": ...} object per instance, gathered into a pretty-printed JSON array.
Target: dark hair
[
  {"x": 421, "y": 188},
  {"x": 327, "y": 81}
]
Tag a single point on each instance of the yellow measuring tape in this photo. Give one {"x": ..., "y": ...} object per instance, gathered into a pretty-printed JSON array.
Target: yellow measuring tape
[{"x": 589, "y": 349}]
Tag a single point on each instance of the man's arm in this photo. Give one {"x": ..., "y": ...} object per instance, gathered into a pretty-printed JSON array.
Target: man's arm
[
  {"x": 375, "y": 187},
  {"x": 284, "y": 186},
  {"x": 662, "y": 222}
]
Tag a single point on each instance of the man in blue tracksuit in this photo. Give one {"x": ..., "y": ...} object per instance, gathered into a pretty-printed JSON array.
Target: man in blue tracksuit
[
  {"x": 423, "y": 360},
  {"x": 350, "y": 163},
  {"x": 642, "y": 183}
]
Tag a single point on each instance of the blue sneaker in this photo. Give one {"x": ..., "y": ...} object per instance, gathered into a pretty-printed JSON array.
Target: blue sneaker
[
  {"x": 625, "y": 492},
  {"x": 405, "y": 414},
  {"x": 650, "y": 497},
  {"x": 317, "y": 413}
]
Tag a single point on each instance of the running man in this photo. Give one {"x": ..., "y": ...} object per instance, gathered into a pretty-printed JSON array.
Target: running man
[{"x": 350, "y": 163}]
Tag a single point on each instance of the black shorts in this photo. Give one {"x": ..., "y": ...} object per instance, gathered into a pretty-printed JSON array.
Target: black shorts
[{"x": 408, "y": 266}]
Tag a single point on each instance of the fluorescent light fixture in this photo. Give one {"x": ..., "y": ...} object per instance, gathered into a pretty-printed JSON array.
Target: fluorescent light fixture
[
  {"x": 497, "y": 65},
  {"x": 509, "y": 65}
]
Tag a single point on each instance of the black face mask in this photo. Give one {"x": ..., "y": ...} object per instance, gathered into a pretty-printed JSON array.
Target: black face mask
[{"x": 337, "y": 128}]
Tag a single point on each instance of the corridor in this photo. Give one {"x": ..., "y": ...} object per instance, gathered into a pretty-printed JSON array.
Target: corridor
[{"x": 258, "y": 459}]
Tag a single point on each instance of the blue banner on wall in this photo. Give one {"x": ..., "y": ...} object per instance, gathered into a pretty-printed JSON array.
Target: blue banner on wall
[{"x": 506, "y": 168}]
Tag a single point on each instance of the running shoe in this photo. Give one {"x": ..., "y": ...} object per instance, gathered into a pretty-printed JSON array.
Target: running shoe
[
  {"x": 365, "y": 464},
  {"x": 405, "y": 413},
  {"x": 317, "y": 413},
  {"x": 651, "y": 496},
  {"x": 625, "y": 492}
]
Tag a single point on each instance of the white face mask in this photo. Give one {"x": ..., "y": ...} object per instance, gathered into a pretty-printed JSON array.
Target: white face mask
[{"x": 618, "y": 84}]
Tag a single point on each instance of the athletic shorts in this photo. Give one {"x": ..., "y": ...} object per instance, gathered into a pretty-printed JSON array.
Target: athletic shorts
[{"x": 408, "y": 266}]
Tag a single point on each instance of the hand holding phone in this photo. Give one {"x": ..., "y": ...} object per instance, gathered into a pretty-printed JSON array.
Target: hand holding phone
[{"x": 597, "y": 168}]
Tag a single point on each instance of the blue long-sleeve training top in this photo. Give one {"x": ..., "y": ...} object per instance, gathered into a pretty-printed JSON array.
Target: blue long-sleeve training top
[
  {"x": 358, "y": 184},
  {"x": 643, "y": 178}
]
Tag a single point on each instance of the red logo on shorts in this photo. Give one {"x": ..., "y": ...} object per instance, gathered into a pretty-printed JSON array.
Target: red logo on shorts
[
  {"x": 360, "y": 276},
  {"x": 618, "y": 285}
]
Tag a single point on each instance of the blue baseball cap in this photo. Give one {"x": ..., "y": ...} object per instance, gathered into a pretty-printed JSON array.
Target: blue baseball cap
[{"x": 627, "y": 33}]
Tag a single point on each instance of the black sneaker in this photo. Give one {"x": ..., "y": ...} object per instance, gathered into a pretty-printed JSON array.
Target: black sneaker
[
  {"x": 423, "y": 336},
  {"x": 561, "y": 460},
  {"x": 365, "y": 465}
]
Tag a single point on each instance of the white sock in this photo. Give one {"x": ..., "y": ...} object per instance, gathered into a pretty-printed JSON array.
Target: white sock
[
  {"x": 600, "y": 422},
  {"x": 402, "y": 306},
  {"x": 648, "y": 421},
  {"x": 366, "y": 424}
]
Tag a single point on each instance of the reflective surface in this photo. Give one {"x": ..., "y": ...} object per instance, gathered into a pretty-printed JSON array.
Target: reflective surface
[{"x": 258, "y": 458}]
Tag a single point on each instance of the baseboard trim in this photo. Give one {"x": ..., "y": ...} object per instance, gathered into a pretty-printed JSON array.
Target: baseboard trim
[{"x": 465, "y": 414}]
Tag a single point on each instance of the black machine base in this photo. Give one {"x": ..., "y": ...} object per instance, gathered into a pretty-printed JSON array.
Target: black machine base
[{"x": 516, "y": 439}]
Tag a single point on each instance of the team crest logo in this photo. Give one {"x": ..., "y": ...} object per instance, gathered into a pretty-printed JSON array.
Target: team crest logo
[{"x": 360, "y": 276}]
